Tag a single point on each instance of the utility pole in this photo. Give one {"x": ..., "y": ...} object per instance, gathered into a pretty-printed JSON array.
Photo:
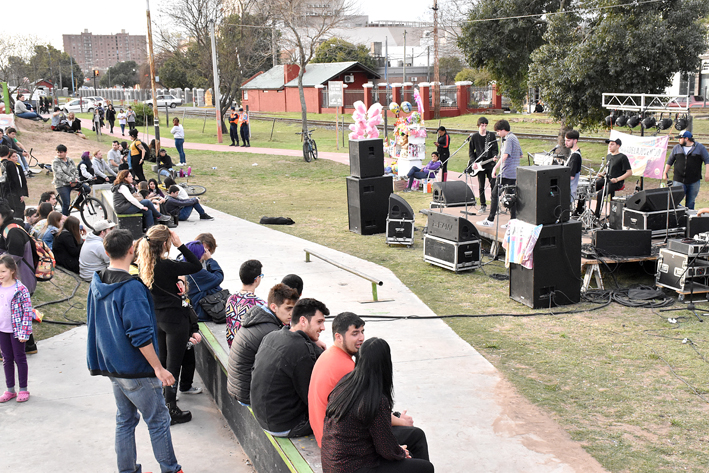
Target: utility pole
[
  {"x": 403, "y": 80},
  {"x": 217, "y": 95},
  {"x": 273, "y": 44},
  {"x": 71, "y": 60},
  {"x": 386, "y": 89},
  {"x": 151, "y": 59},
  {"x": 436, "y": 75},
  {"x": 428, "y": 63}
]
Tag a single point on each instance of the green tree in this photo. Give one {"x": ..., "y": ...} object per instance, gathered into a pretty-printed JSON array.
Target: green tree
[
  {"x": 479, "y": 77},
  {"x": 634, "y": 49},
  {"x": 124, "y": 74},
  {"x": 339, "y": 50},
  {"x": 448, "y": 67},
  {"x": 173, "y": 74},
  {"x": 503, "y": 47}
]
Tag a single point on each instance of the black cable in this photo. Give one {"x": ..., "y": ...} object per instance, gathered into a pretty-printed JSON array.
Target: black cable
[{"x": 71, "y": 306}]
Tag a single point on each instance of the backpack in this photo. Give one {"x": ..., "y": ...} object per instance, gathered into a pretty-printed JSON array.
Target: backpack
[{"x": 44, "y": 271}]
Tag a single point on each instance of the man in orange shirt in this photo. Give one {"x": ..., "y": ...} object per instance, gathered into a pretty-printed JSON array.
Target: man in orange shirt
[{"x": 336, "y": 362}]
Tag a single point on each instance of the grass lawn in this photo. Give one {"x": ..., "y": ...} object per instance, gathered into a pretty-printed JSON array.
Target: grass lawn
[{"x": 603, "y": 375}]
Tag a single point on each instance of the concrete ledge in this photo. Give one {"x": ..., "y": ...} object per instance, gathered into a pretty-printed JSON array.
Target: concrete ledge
[{"x": 268, "y": 454}]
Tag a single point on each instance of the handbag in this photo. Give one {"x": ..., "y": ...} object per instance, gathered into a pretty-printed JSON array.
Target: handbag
[{"x": 214, "y": 305}]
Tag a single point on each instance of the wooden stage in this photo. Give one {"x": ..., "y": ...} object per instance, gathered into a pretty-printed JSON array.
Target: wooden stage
[{"x": 590, "y": 267}]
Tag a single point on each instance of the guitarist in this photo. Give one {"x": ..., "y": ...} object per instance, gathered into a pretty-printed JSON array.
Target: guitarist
[{"x": 482, "y": 154}]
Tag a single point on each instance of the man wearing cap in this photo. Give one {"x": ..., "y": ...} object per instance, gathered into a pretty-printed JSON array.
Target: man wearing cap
[
  {"x": 234, "y": 127},
  {"x": 93, "y": 257},
  {"x": 618, "y": 170},
  {"x": 687, "y": 158}
]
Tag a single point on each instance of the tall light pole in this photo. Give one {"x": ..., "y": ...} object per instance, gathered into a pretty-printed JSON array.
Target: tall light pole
[
  {"x": 217, "y": 95},
  {"x": 436, "y": 75},
  {"x": 156, "y": 119}
]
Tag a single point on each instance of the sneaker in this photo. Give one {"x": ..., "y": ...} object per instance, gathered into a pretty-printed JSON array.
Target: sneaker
[
  {"x": 483, "y": 208},
  {"x": 164, "y": 218},
  {"x": 485, "y": 223},
  {"x": 503, "y": 226},
  {"x": 206, "y": 217},
  {"x": 192, "y": 390},
  {"x": 408, "y": 189}
]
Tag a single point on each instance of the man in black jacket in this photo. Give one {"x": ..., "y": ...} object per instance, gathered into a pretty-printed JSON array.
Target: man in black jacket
[
  {"x": 15, "y": 186},
  {"x": 256, "y": 324},
  {"x": 282, "y": 369},
  {"x": 482, "y": 152},
  {"x": 444, "y": 152}
]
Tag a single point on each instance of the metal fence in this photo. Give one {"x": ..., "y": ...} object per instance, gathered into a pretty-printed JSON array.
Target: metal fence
[
  {"x": 479, "y": 97},
  {"x": 350, "y": 97},
  {"x": 448, "y": 97},
  {"x": 139, "y": 95}
]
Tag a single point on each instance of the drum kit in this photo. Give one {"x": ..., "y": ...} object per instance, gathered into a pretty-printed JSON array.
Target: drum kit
[{"x": 586, "y": 191}]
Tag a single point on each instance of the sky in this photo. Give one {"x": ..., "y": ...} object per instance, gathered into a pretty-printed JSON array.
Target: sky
[{"x": 130, "y": 15}]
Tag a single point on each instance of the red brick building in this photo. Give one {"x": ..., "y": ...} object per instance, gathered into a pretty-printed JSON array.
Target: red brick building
[{"x": 276, "y": 90}]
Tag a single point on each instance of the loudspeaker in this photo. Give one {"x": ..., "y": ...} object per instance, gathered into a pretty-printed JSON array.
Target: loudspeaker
[
  {"x": 399, "y": 209},
  {"x": 451, "y": 227},
  {"x": 543, "y": 194},
  {"x": 622, "y": 242},
  {"x": 615, "y": 217},
  {"x": 453, "y": 193},
  {"x": 652, "y": 200},
  {"x": 367, "y": 158},
  {"x": 367, "y": 203},
  {"x": 697, "y": 225},
  {"x": 556, "y": 276}
]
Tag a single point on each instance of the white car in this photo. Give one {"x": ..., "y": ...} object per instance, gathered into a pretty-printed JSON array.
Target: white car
[
  {"x": 166, "y": 101},
  {"x": 97, "y": 99},
  {"x": 76, "y": 107}
]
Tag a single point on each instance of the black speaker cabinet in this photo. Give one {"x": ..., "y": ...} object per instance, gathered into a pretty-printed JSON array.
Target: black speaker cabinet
[
  {"x": 622, "y": 242},
  {"x": 453, "y": 255},
  {"x": 451, "y": 227},
  {"x": 367, "y": 158},
  {"x": 399, "y": 209},
  {"x": 400, "y": 232},
  {"x": 453, "y": 193},
  {"x": 615, "y": 217},
  {"x": 555, "y": 278},
  {"x": 655, "y": 220},
  {"x": 368, "y": 203},
  {"x": 543, "y": 194},
  {"x": 652, "y": 200},
  {"x": 683, "y": 273},
  {"x": 696, "y": 225}
]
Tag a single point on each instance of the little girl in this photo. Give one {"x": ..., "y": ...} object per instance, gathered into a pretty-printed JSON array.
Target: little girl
[{"x": 15, "y": 328}]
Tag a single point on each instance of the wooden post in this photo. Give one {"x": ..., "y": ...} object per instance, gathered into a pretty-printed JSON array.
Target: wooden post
[
  {"x": 205, "y": 120},
  {"x": 343, "y": 129},
  {"x": 273, "y": 125},
  {"x": 337, "y": 128}
]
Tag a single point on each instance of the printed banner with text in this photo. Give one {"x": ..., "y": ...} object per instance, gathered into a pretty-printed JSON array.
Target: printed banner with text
[{"x": 647, "y": 154}]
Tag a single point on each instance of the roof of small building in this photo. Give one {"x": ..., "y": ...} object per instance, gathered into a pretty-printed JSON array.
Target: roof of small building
[{"x": 315, "y": 74}]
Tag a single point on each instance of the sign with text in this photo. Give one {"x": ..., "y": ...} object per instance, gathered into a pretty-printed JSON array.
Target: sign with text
[
  {"x": 646, "y": 154},
  {"x": 335, "y": 93}
]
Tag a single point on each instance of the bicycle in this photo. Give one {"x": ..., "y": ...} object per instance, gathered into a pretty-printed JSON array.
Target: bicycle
[
  {"x": 192, "y": 189},
  {"x": 32, "y": 161},
  {"x": 90, "y": 208},
  {"x": 310, "y": 148}
]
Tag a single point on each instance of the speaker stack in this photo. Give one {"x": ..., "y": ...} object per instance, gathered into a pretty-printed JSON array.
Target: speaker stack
[
  {"x": 544, "y": 199},
  {"x": 400, "y": 222},
  {"x": 451, "y": 242},
  {"x": 368, "y": 189}
]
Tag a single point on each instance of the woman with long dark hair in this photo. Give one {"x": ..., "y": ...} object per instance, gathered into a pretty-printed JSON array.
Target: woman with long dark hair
[
  {"x": 125, "y": 202},
  {"x": 67, "y": 245},
  {"x": 357, "y": 436}
]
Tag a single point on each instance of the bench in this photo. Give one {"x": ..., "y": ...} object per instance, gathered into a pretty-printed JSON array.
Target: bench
[
  {"x": 267, "y": 453},
  {"x": 131, "y": 222}
]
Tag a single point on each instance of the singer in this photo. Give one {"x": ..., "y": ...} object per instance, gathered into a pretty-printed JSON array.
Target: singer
[{"x": 482, "y": 153}]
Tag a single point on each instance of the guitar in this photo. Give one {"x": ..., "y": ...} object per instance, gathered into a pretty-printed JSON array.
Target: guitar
[{"x": 478, "y": 165}]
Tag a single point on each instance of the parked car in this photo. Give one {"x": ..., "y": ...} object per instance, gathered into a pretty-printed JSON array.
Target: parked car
[
  {"x": 447, "y": 101},
  {"x": 165, "y": 101},
  {"x": 97, "y": 99},
  {"x": 75, "y": 106},
  {"x": 694, "y": 101}
]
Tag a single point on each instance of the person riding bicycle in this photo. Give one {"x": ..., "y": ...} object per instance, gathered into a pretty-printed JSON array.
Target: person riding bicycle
[{"x": 66, "y": 179}]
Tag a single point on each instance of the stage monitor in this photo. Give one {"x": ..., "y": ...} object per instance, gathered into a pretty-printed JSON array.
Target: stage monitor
[{"x": 652, "y": 200}]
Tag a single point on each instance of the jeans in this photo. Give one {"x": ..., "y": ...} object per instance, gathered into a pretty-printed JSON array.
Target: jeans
[
  {"x": 148, "y": 215},
  {"x": 415, "y": 173},
  {"x": 690, "y": 192},
  {"x": 165, "y": 172},
  {"x": 27, "y": 115},
  {"x": 13, "y": 353},
  {"x": 142, "y": 395},
  {"x": 495, "y": 199},
  {"x": 123, "y": 129},
  {"x": 23, "y": 163},
  {"x": 65, "y": 194},
  {"x": 179, "y": 142},
  {"x": 186, "y": 211}
]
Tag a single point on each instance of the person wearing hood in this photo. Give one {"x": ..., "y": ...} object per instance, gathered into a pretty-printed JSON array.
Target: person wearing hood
[
  {"x": 256, "y": 324},
  {"x": 206, "y": 281},
  {"x": 122, "y": 344},
  {"x": 124, "y": 201},
  {"x": 15, "y": 188},
  {"x": 86, "y": 170},
  {"x": 93, "y": 257}
]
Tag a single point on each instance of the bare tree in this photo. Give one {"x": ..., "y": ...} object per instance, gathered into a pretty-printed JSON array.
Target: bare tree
[
  {"x": 305, "y": 27},
  {"x": 15, "y": 55}
]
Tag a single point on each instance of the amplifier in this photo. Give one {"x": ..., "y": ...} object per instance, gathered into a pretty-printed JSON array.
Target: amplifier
[
  {"x": 674, "y": 271},
  {"x": 639, "y": 220},
  {"x": 622, "y": 242},
  {"x": 615, "y": 216},
  {"x": 688, "y": 246},
  {"x": 454, "y": 255},
  {"x": 696, "y": 225},
  {"x": 400, "y": 232}
]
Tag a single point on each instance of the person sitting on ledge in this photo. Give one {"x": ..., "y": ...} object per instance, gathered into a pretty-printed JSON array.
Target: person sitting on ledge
[
  {"x": 282, "y": 369},
  {"x": 184, "y": 207},
  {"x": 243, "y": 301},
  {"x": 415, "y": 173},
  {"x": 22, "y": 111}
]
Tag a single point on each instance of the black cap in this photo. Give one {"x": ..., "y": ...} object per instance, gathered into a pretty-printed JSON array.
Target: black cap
[{"x": 617, "y": 140}]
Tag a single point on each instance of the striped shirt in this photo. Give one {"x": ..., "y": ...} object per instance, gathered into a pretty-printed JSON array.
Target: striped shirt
[{"x": 514, "y": 152}]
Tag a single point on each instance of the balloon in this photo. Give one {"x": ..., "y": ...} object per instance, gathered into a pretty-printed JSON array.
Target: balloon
[
  {"x": 406, "y": 107},
  {"x": 394, "y": 108},
  {"x": 416, "y": 117}
]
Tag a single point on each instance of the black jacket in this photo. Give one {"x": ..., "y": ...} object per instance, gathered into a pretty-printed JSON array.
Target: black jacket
[
  {"x": 66, "y": 251},
  {"x": 281, "y": 377},
  {"x": 476, "y": 150},
  {"x": 256, "y": 324},
  {"x": 16, "y": 183}
]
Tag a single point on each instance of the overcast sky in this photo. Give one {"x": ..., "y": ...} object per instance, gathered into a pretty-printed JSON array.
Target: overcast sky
[{"x": 48, "y": 22}]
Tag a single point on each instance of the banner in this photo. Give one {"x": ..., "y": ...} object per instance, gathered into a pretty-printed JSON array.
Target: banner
[{"x": 647, "y": 154}]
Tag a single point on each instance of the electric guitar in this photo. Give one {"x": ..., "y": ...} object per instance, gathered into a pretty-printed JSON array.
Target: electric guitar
[{"x": 478, "y": 166}]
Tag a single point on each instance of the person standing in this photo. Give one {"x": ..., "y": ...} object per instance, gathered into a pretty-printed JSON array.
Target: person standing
[
  {"x": 136, "y": 156},
  {"x": 507, "y": 166},
  {"x": 15, "y": 184},
  {"x": 443, "y": 147},
  {"x": 122, "y": 121},
  {"x": 618, "y": 170},
  {"x": 482, "y": 152},
  {"x": 123, "y": 345},
  {"x": 687, "y": 158},
  {"x": 571, "y": 141},
  {"x": 179, "y": 134},
  {"x": 130, "y": 118},
  {"x": 245, "y": 131},
  {"x": 111, "y": 116},
  {"x": 234, "y": 127}
]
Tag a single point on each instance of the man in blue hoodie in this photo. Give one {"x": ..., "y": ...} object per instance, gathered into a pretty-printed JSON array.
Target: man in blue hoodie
[{"x": 123, "y": 345}]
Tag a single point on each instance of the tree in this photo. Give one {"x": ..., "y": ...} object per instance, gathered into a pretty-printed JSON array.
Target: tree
[
  {"x": 633, "y": 49},
  {"x": 448, "y": 67},
  {"x": 305, "y": 27},
  {"x": 504, "y": 47},
  {"x": 339, "y": 50},
  {"x": 479, "y": 77},
  {"x": 123, "y": 73}
]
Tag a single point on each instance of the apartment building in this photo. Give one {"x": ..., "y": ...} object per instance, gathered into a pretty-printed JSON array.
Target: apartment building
[{"x": 103, "y": 51}]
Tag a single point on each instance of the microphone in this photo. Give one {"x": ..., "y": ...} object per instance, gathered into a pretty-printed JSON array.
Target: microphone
[{"x": 554, "y": 149}]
